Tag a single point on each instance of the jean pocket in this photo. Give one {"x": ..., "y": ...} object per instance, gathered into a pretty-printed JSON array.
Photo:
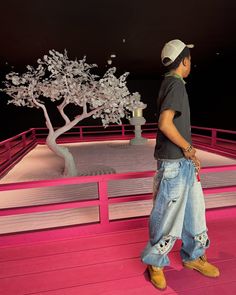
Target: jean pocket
[{"x": 171, "y": 170}]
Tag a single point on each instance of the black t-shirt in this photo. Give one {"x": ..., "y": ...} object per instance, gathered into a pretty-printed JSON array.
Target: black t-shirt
[{"x": 172, "y": 95}]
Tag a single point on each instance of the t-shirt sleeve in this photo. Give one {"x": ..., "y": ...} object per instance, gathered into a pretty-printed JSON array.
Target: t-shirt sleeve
[{"x": 173, "y": 98}]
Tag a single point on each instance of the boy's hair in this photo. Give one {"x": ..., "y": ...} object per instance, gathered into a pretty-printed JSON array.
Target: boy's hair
[{"x": 174, "y": 65}]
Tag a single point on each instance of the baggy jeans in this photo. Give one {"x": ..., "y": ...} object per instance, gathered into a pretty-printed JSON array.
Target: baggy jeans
[{"x": 178, "y": 213}]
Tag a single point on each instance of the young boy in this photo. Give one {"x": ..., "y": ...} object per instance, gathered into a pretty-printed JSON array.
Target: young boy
[{"x": 179, "y": 209}]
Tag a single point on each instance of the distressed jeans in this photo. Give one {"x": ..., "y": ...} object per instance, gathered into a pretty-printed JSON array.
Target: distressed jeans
[{"x": 178, "y": 213}]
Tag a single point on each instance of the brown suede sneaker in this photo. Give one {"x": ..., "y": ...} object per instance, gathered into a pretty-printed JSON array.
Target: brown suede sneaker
[
  {"x": 157, "y": 277},
  {"x": 200, "y": 264}
]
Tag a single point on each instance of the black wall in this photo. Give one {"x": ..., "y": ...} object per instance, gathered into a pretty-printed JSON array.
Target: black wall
[{"x": 28, "y": 29}]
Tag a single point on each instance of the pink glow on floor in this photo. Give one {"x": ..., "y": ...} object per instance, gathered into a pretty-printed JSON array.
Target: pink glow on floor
[{"x": 110, "y": 264}]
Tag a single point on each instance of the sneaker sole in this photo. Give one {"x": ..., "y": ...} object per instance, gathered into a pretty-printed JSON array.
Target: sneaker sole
[{"x": 161, "y": 289}]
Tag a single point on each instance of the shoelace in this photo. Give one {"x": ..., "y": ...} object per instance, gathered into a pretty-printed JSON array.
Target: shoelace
[{"x": 203, "y": 258}]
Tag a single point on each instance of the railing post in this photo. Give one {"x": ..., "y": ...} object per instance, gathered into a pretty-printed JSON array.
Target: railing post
[
  {"x": 33, "y": 133},
  {"x": 213, "y": 137},
  {"x": 103, "y": 197},
  {"x": 80, "y": 132},
  {"x": 8, "y": 150},
  {"x": 24, "y": 139},
  {"x": 123, "y": 130}
]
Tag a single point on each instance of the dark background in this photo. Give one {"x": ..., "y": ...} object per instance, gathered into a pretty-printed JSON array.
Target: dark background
[{"x": 135, "y": 31}]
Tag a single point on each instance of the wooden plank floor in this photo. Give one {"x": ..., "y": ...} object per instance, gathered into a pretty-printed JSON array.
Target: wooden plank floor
[{"x": 109, "y": 264}]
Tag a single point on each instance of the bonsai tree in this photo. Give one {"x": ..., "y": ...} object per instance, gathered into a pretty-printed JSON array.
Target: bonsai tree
[{"x": 65, "y": 82}]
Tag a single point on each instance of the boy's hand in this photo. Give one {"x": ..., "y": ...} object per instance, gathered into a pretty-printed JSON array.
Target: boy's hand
[
  {"x": 190, "y": 154},
  {"x": 197, "y": 164}
]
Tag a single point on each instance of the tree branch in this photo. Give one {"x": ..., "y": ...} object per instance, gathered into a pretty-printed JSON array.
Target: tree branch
[
  {"x": 61, "y": 111},
  {"x": 86, "y": 115},
  {"x": 85, "y": 108},
  {"x": 77, "y": 119},
  {"x": 48, "y": 121}
]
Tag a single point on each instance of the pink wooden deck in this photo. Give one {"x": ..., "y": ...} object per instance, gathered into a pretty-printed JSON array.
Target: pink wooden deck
[
  {"x": 110, "y": 264},
  {"x": 103, "y": 257}
]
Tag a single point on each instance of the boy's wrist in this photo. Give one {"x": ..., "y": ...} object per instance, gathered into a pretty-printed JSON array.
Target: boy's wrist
[{"x": 188, "y": 149}]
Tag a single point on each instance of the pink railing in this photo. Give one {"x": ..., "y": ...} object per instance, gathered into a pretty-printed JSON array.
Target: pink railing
[
  {"x": 214, "y": 135},
  {"x": 88, "y": 133},
  {"x": 125, "y": 131},
  {"x": 13, "y": 149},
  {"x": 105, "y": 224}
]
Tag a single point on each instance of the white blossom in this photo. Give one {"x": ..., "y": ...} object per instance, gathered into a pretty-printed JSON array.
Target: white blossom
[{"x": 58, "y": 78}]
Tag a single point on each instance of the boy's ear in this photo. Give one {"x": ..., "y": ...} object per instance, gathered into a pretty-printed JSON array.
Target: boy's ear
[{"x": 184, "y": 61}]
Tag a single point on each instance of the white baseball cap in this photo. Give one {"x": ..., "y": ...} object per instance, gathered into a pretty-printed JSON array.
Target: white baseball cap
[{"x": 172, "y": 50}]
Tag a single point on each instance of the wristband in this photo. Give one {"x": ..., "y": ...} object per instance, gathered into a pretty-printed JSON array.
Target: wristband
[{"x": 188, "y": 149}]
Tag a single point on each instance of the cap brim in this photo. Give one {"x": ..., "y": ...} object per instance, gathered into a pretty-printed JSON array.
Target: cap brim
[{"x": 190, "y": 45}]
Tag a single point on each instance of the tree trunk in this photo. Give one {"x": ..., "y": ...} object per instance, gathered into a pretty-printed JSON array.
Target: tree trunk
[{"x": 70, "y": 168}]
